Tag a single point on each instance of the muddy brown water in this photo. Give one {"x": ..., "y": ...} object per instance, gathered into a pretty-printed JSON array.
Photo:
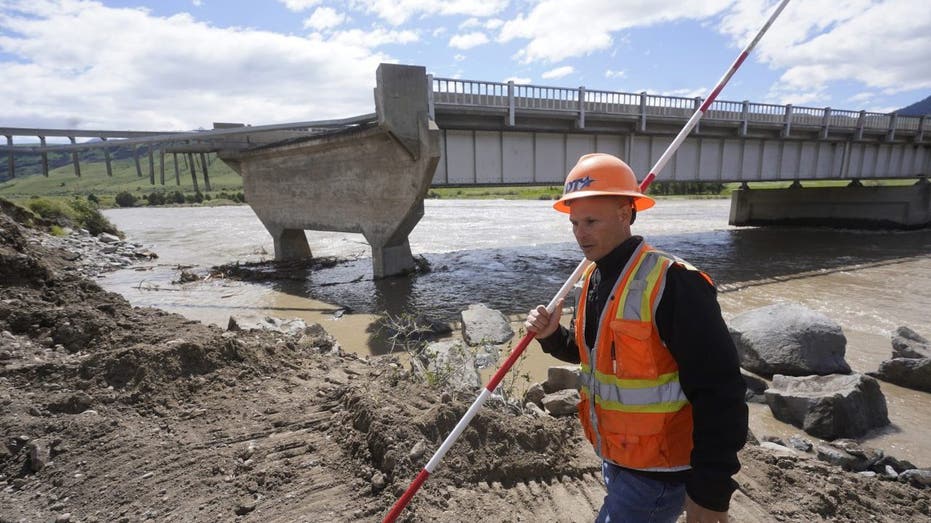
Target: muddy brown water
[{"x": 512, "y": 255}]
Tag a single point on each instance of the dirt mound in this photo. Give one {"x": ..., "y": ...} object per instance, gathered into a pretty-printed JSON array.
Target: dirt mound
[
  {"x": 798, "y": 488},
  {"x": 397, "y": 437}
]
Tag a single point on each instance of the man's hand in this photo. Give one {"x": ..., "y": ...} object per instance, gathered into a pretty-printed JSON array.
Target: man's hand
[
  {"x": 695, "y": 513},
  {"x": 542, "y": 323}
]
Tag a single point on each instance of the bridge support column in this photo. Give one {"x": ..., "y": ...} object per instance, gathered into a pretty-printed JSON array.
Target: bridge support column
[
  {"x": 290, "y": 244},
  {"x": 898, "y": 207},
  {"x": 392, "y": 259}
]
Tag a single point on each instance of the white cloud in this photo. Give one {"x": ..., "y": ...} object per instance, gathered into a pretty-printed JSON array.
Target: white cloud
[
  {"x": 468, "y": 40},
  {"x": 438, "y": 31},
  {"x": 686, "y": 92},
  {"x": 197, "y": 3},
  {"x": 493, "y": 23},
  {"x": 518, "y": 80},
  {"x": 299, "y": 5},
  {"x": 459, "y": 57},
  {"x": 609, "y": 73},
  {"x": 557, "y": 30},
  {"x": 470, "y": 22},
  {"x": 175, "y": 73},
  {"x": 396, "y": 12},
  {"x": 861, "y": 98},
  {"x": 559, "y": 72},
  {"x": 324, "y": 18},
  {"x": 881, "y": 44},
  {"x": 374, "y": 38}
]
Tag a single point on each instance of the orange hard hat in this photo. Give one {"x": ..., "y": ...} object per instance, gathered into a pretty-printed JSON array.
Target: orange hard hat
[{"x": 600, "y": 174}]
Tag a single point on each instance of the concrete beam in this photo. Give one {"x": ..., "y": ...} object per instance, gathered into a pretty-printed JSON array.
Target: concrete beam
[
  {"x": 401, "y": 103},
  {"x": 899, "y": 207}
]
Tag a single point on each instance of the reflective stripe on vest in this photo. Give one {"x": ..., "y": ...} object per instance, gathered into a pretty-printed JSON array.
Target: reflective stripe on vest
[
  {"x": 635, "y": 299},
  {"x": 663, "y": 394}
]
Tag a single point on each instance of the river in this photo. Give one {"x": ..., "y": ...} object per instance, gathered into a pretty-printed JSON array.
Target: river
[{"x": 512, "y": 255}]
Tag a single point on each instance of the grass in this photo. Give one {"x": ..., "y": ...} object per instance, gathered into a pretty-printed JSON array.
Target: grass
[
  {"x": 62, "y": 181},
  {"x": 70, "y": 212}
]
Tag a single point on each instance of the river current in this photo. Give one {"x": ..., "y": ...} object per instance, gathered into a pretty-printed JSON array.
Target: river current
[{"x": 512, "y": 255}]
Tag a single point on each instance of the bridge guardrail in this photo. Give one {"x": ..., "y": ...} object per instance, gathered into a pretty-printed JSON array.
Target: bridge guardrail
[{"x": 512, "y": 96}]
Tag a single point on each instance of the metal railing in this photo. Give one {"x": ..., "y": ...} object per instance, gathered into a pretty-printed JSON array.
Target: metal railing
[{"x": 511, "y": 97}]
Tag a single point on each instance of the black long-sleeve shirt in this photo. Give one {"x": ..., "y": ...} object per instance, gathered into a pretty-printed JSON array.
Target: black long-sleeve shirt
[{"x": 689, "y": 322}]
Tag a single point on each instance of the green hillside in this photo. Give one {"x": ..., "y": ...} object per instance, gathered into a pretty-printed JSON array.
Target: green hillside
[{"x": 62, "y": 181}]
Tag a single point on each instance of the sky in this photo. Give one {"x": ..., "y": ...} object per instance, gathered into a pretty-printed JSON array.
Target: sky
[{"x": 168, "y": 65}]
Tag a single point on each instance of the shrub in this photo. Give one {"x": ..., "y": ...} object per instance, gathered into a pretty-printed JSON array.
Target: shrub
[
  {"x": 125, "y": 199},
  {"x": 53, "y": 210},
  {"x": 77, "y": 212},
  {"x": 177, "y": 197},
  {"x": 93, "y": 199},
  {"x": 89, "y": 217},
  {"x": 156, "y": 198}
]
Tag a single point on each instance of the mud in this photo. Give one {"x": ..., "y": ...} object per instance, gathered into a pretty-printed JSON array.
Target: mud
[{"x": 122, "y": 414}]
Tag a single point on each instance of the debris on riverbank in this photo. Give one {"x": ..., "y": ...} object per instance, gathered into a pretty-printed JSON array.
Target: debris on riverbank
[{"x": 115, "y": 413}]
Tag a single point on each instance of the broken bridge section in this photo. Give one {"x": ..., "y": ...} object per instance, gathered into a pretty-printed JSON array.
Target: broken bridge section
[{"x": 369, "y": 178}]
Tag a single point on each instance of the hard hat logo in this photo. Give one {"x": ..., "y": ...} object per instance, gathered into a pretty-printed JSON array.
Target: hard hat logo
[
  {"x": 600, "y": 174},
  {"x": 578, "y": 185}
]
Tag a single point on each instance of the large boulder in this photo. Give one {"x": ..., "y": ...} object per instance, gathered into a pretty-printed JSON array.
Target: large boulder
[
  {"x": 452, "y": 364},
  {"x": 483, "y": 325},
  {"x": 562, "y": 403},
  {"x": 912, "y": 373},
  {"x": 561, "y": 377},
  {"x": 294, "y": 326},
  {"x": 789, "y": 339},
  {"x": 907, "y": 343},
  {"x": 829, "y": 407}
]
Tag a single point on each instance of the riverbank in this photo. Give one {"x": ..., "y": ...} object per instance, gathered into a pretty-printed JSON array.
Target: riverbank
[{"x": 121, "y": 413}]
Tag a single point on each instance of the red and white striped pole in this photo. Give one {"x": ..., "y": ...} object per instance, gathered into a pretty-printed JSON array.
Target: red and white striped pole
[
  {"x": 693, "y": 121},
  {"x": 479, "y": 401},
  {"x": 564, "y": 290}
]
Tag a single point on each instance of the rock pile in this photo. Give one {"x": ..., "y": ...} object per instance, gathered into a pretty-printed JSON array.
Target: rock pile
[
  {"x": 802, "y": 351},
  {"x": 95, "y": 255},
  {"x": 852, "y": 457},
  {"x": 910, "y": 365}
]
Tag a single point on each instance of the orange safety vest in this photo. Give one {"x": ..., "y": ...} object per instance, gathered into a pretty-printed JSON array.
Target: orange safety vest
[{"x": 633, "y": 409}]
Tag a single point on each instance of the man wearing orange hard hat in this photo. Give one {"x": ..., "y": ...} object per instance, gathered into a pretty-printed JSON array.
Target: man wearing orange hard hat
[{"x": 662, "y": 395}]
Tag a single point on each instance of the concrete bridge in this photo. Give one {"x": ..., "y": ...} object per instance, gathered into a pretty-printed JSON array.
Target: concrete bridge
[
  {"x": 369, "y": 174},
  {"x": 503, "y": 133}
]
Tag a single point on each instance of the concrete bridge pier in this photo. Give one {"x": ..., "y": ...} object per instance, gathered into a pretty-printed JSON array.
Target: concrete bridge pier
[
  {"x": 369, "y": 179},
  {"x": 290, "y": 244},
  {"x": 890, "y": 207}
]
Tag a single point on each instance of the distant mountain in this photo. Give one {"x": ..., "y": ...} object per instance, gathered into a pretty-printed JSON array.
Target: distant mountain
[{"x": 917, "y": 109}]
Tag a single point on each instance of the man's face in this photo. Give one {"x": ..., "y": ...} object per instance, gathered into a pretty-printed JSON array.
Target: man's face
[{"x": 599, "y": 224}]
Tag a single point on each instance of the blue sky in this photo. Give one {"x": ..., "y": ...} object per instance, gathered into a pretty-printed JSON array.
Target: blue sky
[{"x": 184, "y": 64}]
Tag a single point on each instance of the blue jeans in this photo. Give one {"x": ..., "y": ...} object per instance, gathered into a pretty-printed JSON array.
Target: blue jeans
[{"x": 633, "y": 498}]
